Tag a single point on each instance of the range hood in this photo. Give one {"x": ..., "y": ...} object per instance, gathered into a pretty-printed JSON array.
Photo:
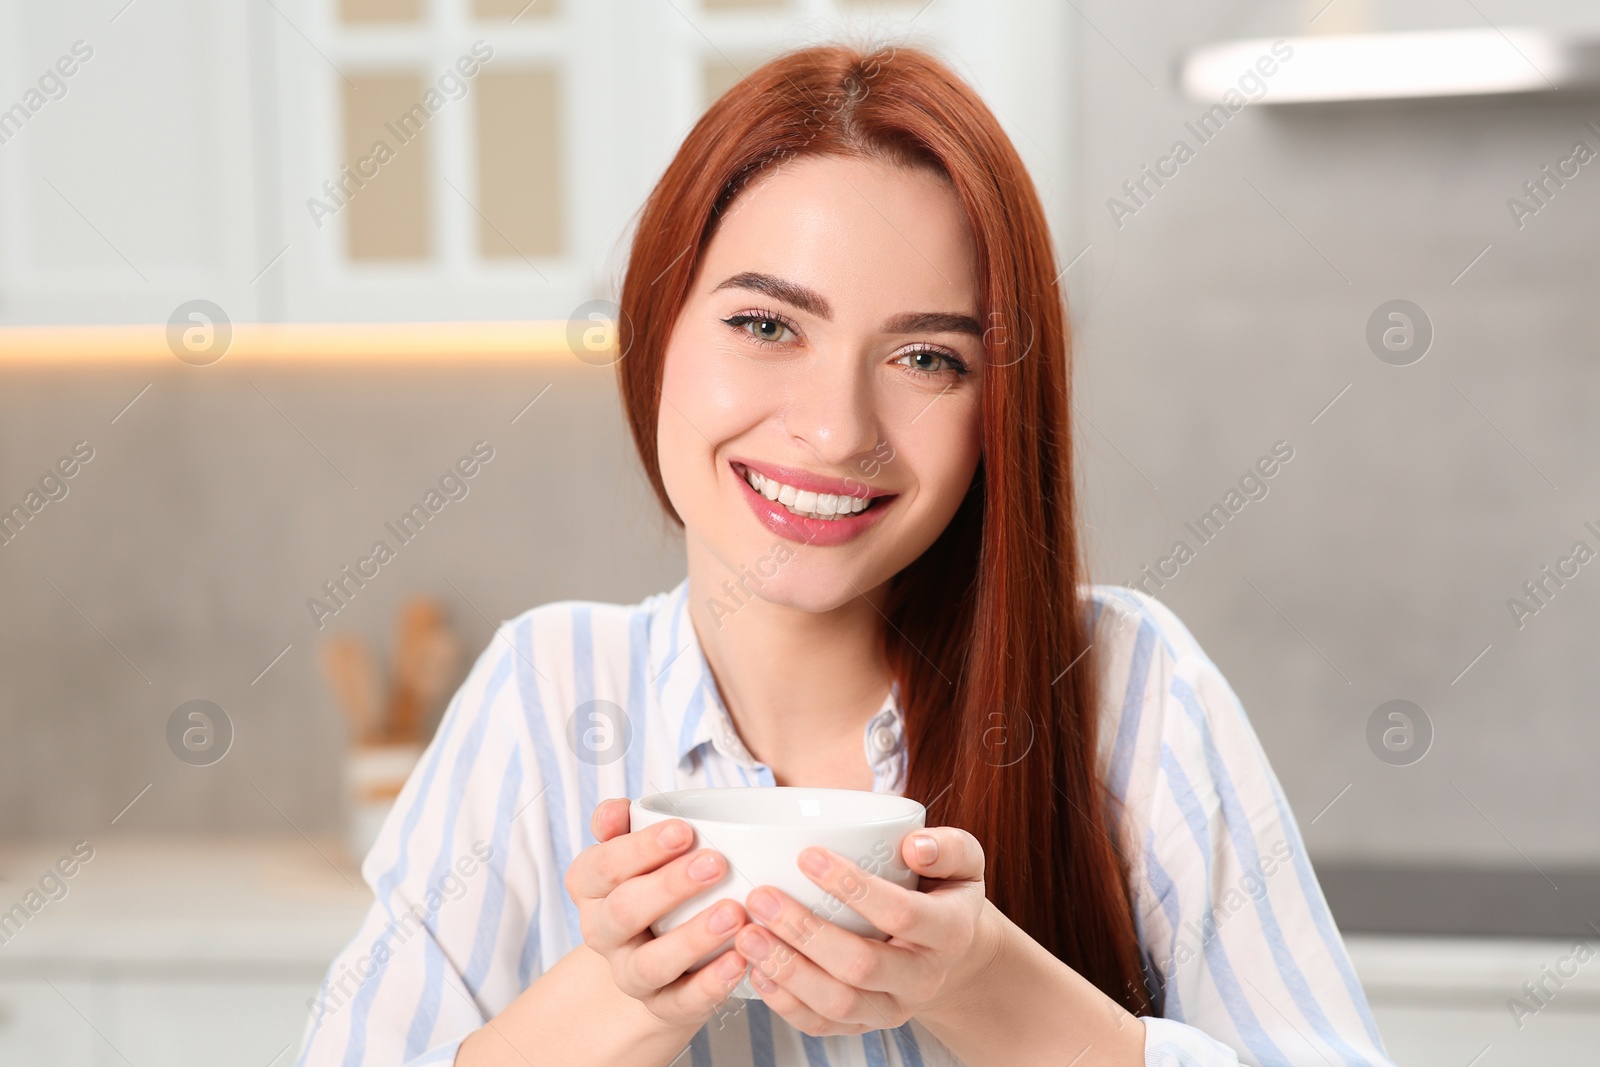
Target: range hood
[{"x": 1393, "y": 66}]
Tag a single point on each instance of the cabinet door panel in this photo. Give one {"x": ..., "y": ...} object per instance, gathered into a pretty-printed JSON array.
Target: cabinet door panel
[
  {"x": 203, "y": 1023},
  {"x": 42, "y": 1027},
  {"x": 1428, "y": 1034}
]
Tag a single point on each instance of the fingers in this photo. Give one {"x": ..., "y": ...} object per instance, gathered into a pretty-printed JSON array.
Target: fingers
[
  {"x": 660, "y": 961},
  {"x": 696, "y": 996},
  {"x": 625, "y": 882},
  {"x": 602, "y": 867},
  {"x": 610, "y": 818},
  {"x": 640, "y": 901},
  {"x": 793, "y": 931},
  {"x": 807, "y": 997},
  {"x": 894, "y": 909}
]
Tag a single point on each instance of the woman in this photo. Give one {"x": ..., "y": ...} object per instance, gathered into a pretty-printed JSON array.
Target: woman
[{"x": 844, "y": 363}]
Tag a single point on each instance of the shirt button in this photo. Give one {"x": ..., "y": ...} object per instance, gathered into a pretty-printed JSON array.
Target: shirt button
[{"x": 883, "y": 739}]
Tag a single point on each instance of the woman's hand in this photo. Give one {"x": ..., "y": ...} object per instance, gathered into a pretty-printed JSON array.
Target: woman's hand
[
  {"x": 626, "y": 881},
  {"x": 824, "y": 979}
]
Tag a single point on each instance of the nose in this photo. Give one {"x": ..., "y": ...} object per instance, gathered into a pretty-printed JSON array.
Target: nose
[{"x": 831, "y": 410}]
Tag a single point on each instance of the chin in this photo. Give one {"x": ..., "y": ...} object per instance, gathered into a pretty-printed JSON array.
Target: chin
[{"x": 805, "y": 581}]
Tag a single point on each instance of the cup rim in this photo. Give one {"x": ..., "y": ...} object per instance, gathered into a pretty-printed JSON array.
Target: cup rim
[{"x": 911, "y": 807}]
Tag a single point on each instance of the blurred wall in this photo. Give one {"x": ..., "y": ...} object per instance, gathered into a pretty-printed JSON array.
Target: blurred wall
[
  {"x": 180, "y": 562},
  {"x": 1230, "y": 309}
]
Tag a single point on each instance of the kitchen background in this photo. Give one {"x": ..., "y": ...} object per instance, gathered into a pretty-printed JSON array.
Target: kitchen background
[{"x": 1219, "y": 312}]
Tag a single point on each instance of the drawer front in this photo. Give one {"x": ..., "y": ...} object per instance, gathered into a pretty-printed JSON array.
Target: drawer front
[{"x": 42, "y": 1026}]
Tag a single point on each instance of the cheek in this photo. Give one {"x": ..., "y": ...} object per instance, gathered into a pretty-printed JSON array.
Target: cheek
[
  {"x": 719, "y": 391},
  {"x": 709, "y": 396},
  {"x": 679, "y": 448},
  {"x": 946, "y": 453}
]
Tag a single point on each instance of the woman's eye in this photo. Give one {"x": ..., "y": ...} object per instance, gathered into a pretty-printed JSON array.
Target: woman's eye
[
  {"x": 763, "y": 329},
  {"x": 927, "y": 361}
]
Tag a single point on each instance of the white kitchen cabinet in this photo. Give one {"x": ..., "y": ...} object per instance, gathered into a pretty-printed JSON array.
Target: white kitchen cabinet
[
  {"x": 40, "y": 1028},
  {"x": 209, "y": 1021},
  {"x": 1442, "y": 1001},
  {"x": 173, "y": 953},
  {"x": 130, "y": 1018},
  {"x": 230, "y": 126},
  {"x": 1483, "y": 1034}
]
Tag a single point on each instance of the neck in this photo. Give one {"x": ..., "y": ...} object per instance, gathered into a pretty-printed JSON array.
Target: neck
[{"x": 799, "y": 685}]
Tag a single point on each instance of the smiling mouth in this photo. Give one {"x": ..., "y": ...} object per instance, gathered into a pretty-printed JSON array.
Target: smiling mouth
[{"x": 827, "y": 507}]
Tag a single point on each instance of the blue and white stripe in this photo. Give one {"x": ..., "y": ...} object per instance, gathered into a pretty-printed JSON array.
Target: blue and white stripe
[{"x": 468, "y": 871}]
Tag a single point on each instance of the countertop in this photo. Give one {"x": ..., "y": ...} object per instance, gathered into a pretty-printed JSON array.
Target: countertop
[{"x": 262, "y": 905}]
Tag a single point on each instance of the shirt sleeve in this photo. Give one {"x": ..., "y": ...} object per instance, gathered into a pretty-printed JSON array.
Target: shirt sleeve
[
  {"x": 445, "y": 944},
  {"x": 1246, "y": 961}
]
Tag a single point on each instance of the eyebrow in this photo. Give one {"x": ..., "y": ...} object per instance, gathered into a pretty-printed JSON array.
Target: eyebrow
[{"x": 814, "y": 303}]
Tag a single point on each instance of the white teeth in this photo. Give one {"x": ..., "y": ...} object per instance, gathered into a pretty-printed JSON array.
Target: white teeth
[{"x": 806, "y": 503}]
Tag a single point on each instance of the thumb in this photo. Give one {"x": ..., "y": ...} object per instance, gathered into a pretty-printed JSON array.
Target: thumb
[
  {"x": 943, "y": 852},
  {"x": 611, "y": 818}
]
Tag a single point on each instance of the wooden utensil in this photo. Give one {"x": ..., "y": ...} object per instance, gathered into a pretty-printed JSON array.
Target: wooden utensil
[
  {"x": 426, "y": 656},
  {"x": 353, "y": 674}
]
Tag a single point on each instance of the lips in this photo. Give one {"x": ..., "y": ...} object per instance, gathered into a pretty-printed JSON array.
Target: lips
[{"x": 849, "y": 520}]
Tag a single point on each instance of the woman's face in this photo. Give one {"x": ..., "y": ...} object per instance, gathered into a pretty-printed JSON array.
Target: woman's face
[{"x": 819, "y": 417}]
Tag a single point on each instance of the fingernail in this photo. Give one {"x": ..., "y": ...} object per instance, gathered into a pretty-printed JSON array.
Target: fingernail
[
  {"x": 927, "y": 848},
  {"x": 757, "y": 943},
  {"x": 704, "y": 868},
  {"x": 723, "y": 919},
  {"x": 675, "y": 834},
  {"x": 814, "y": 861},
  {"x": 764, "y": 904},
  {"x": 731, "y": 968}
]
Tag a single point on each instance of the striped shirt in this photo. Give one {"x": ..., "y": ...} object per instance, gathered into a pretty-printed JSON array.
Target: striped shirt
[{"x": 470, "y": 904}]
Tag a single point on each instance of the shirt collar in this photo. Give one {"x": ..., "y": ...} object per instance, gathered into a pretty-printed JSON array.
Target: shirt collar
[{"x": 692, "y": 707}]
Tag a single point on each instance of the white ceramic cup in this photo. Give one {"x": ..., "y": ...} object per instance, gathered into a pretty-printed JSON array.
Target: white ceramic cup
[{"x": 761, "y": 831}]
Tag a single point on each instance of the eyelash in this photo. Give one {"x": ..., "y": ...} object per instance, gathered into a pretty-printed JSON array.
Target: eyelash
[{"x": 743, "y": 319}]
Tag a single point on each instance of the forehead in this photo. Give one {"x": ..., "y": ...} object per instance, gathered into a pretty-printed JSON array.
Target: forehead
[{"x": 871, "y": 236}]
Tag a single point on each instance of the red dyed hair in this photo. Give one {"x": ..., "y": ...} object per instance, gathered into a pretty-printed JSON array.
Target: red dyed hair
[{"x": 989, "y": 627}]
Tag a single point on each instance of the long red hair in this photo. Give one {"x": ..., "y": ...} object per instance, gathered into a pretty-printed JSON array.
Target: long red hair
[{"x": 989, "y": 635}]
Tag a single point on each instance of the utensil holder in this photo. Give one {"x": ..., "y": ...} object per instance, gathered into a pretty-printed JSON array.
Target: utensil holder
[{"x": 373, "y": 777}]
